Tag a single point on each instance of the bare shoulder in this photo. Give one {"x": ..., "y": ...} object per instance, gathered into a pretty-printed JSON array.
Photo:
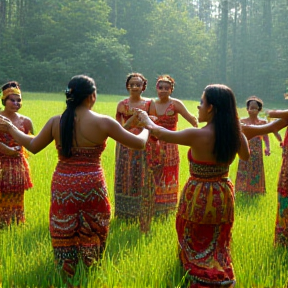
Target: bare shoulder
[
  {"x": 121, "y": 105},
  {"x": 262, "y": 121},
  {"x": 244, "y": 120},
  {"x": 176, "y": 101}
]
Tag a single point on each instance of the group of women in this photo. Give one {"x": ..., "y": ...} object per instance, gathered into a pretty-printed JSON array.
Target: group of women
[{"x": 146, "y": 172}]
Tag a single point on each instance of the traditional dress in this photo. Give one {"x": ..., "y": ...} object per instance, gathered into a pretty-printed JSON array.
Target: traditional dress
[
  {"x": 281, "y": 230},
  {"x": 165, "y": 164},
  {"x": 80, "y": 208},
  {"x": 250, "y": 175},
  {"x": 15, "y": 179},
  {"x": 134, "y": 190},
  {"x": 204, "y": 222}
]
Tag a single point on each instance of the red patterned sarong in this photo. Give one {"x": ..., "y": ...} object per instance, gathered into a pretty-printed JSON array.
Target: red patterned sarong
[
  {"x": 204, "y": 222},
  {"x": 164, "y": 162},
  {"x": 15, "y": 178},
  {"x": 80, "y": 209}
]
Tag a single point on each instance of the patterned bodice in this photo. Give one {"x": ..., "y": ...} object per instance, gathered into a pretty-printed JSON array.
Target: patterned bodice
[
  {"x": 7, "y": 139},
  {"x": 128, "y": 110},
  {"x": 83, "y": 155},
  {"x": 169, "y": 119},
  {"x": 207, "y": 170}
]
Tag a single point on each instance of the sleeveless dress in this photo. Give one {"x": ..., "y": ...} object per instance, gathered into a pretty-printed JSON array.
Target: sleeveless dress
[
  {"x": 80, "y": 208},
  {"x": 281, "y": 230},
  {"x": 165, "y": 164},
  {"x": 15, "y": 178},
  {"x": 134, "y": 190},
  {"x": 250, "y": 177},
  {"x": 204, "y": 222}
]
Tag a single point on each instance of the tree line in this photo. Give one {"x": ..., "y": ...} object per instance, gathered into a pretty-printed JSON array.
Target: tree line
[{"x": 241, "y": 43}]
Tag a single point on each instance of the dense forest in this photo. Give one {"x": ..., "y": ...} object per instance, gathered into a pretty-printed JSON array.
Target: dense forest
[{"x": 241, "y": 43}]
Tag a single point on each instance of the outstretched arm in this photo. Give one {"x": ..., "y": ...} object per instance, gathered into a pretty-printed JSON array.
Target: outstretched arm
[
  {"x": 251, "y": 131},
  {"x": 114, "y": 130},
  {"x": 278, "y": 114},
  {"x": 32, "y": 143}
]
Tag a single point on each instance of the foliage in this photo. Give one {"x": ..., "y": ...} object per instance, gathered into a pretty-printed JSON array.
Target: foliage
[{"x": 241, "y": 43}]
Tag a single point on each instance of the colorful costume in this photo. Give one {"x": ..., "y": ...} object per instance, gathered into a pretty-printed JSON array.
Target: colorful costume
[
  {"x": 204, "y": 222},
  {"x": 281, "y": 230},
  {"x": 250, "y": 175},
  {"x": 134, "y": 192},
  {"x": 80, "y": 208},
  {"x": 165, "y": 164},
  {"x": 15, "y": 179}
]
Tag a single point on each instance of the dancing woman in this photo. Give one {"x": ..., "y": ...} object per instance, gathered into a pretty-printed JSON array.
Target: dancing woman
[
  {"x": 15, "y": 172},
  {"x": 134, "y": 189},
  {"x": 206, "y": 210},
  {"x": 80, "y": 208},
  {"x": 165, "y": 156}
]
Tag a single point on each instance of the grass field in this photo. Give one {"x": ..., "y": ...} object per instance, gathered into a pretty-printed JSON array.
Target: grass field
[{"x": 131, "y": 258}]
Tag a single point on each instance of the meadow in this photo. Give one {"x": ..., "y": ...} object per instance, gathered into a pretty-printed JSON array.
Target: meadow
[{"x": 133, "y": 259}]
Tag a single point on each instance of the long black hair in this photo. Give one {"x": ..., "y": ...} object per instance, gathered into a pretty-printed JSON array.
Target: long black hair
[
  {"x": 79, "y": 88},
  {"x": 226, "y": 121}
]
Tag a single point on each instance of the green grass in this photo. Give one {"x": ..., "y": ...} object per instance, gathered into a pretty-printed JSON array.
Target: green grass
[{"x": 131, "y": 258}]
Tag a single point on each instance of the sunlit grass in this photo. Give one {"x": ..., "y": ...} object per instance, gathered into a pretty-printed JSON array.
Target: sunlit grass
[{"x": 131, "y": 258}]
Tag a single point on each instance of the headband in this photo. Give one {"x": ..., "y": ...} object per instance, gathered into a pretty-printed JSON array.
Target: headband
[
  {"x": 165, "y": 79},
  {"x": 10, "y": 91}
]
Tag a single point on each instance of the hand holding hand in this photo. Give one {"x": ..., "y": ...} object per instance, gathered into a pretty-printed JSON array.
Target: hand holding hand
[
  {"x": 5, "y": 124},
  {"x": 144, "y": 119}
]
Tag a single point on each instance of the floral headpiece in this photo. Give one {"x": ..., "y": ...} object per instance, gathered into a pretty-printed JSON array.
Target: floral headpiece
[
  {"x": 166, "y": 78},
  {"x": 254, "y": 98}
]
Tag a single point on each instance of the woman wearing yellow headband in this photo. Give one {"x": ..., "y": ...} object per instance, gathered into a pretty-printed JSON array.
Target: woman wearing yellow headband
[{"x": 13, "y": 163}]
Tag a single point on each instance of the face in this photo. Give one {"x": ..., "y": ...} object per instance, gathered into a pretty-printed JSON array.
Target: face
[
  {"x": 135, "y": 85},
  {"x": 203, "y": 109},
  {"x": 253, "y": 108},
  {"x": 164, "y": 89},
  {"x": 13, "y": 103}
]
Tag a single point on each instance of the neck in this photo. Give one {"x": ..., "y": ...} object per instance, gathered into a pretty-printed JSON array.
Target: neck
[
  {"x": 253, "y": 117},
  {"x": 9, "y": 115},
  {"x": 164, "y": 100},
  {"x": 135, "y": 97}
]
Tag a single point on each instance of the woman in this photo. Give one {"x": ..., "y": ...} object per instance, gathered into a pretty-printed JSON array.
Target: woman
[
  {"x": 281, "y": 229},
  {"x": 206, "y": 210},
  {"x": 134, "y": 191},
  {"x": 80, "y": 208},
  {"x": 15, "y": 173},
  {"x": 250, "y": 177},
  {"x": 165, "y": 156}
]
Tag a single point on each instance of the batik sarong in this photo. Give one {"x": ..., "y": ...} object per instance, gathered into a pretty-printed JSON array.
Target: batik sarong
[
  {"x": 204, "y": 222},
  {"x": 80, "y": 209}
]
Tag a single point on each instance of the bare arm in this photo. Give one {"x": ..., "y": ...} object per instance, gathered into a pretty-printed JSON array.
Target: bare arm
[
  {"x": 278, "y": 114},
  {"x": 9, "y": 151},
  {"x": 182, "y": 110},
  {"x": 244, "y": 151},
  {"x": 33, "y": 143},
  {"x": 29, "y": 126},
  {"x": 251, "y": 131},
  {"x": 119, "y": 134}
]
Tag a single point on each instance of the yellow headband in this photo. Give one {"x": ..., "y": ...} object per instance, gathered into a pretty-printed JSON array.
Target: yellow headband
[{"x": 10, "y": 91}]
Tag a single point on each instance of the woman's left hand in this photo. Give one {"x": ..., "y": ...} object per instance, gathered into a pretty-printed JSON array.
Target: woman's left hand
[{"x": 5, "y": 124}]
